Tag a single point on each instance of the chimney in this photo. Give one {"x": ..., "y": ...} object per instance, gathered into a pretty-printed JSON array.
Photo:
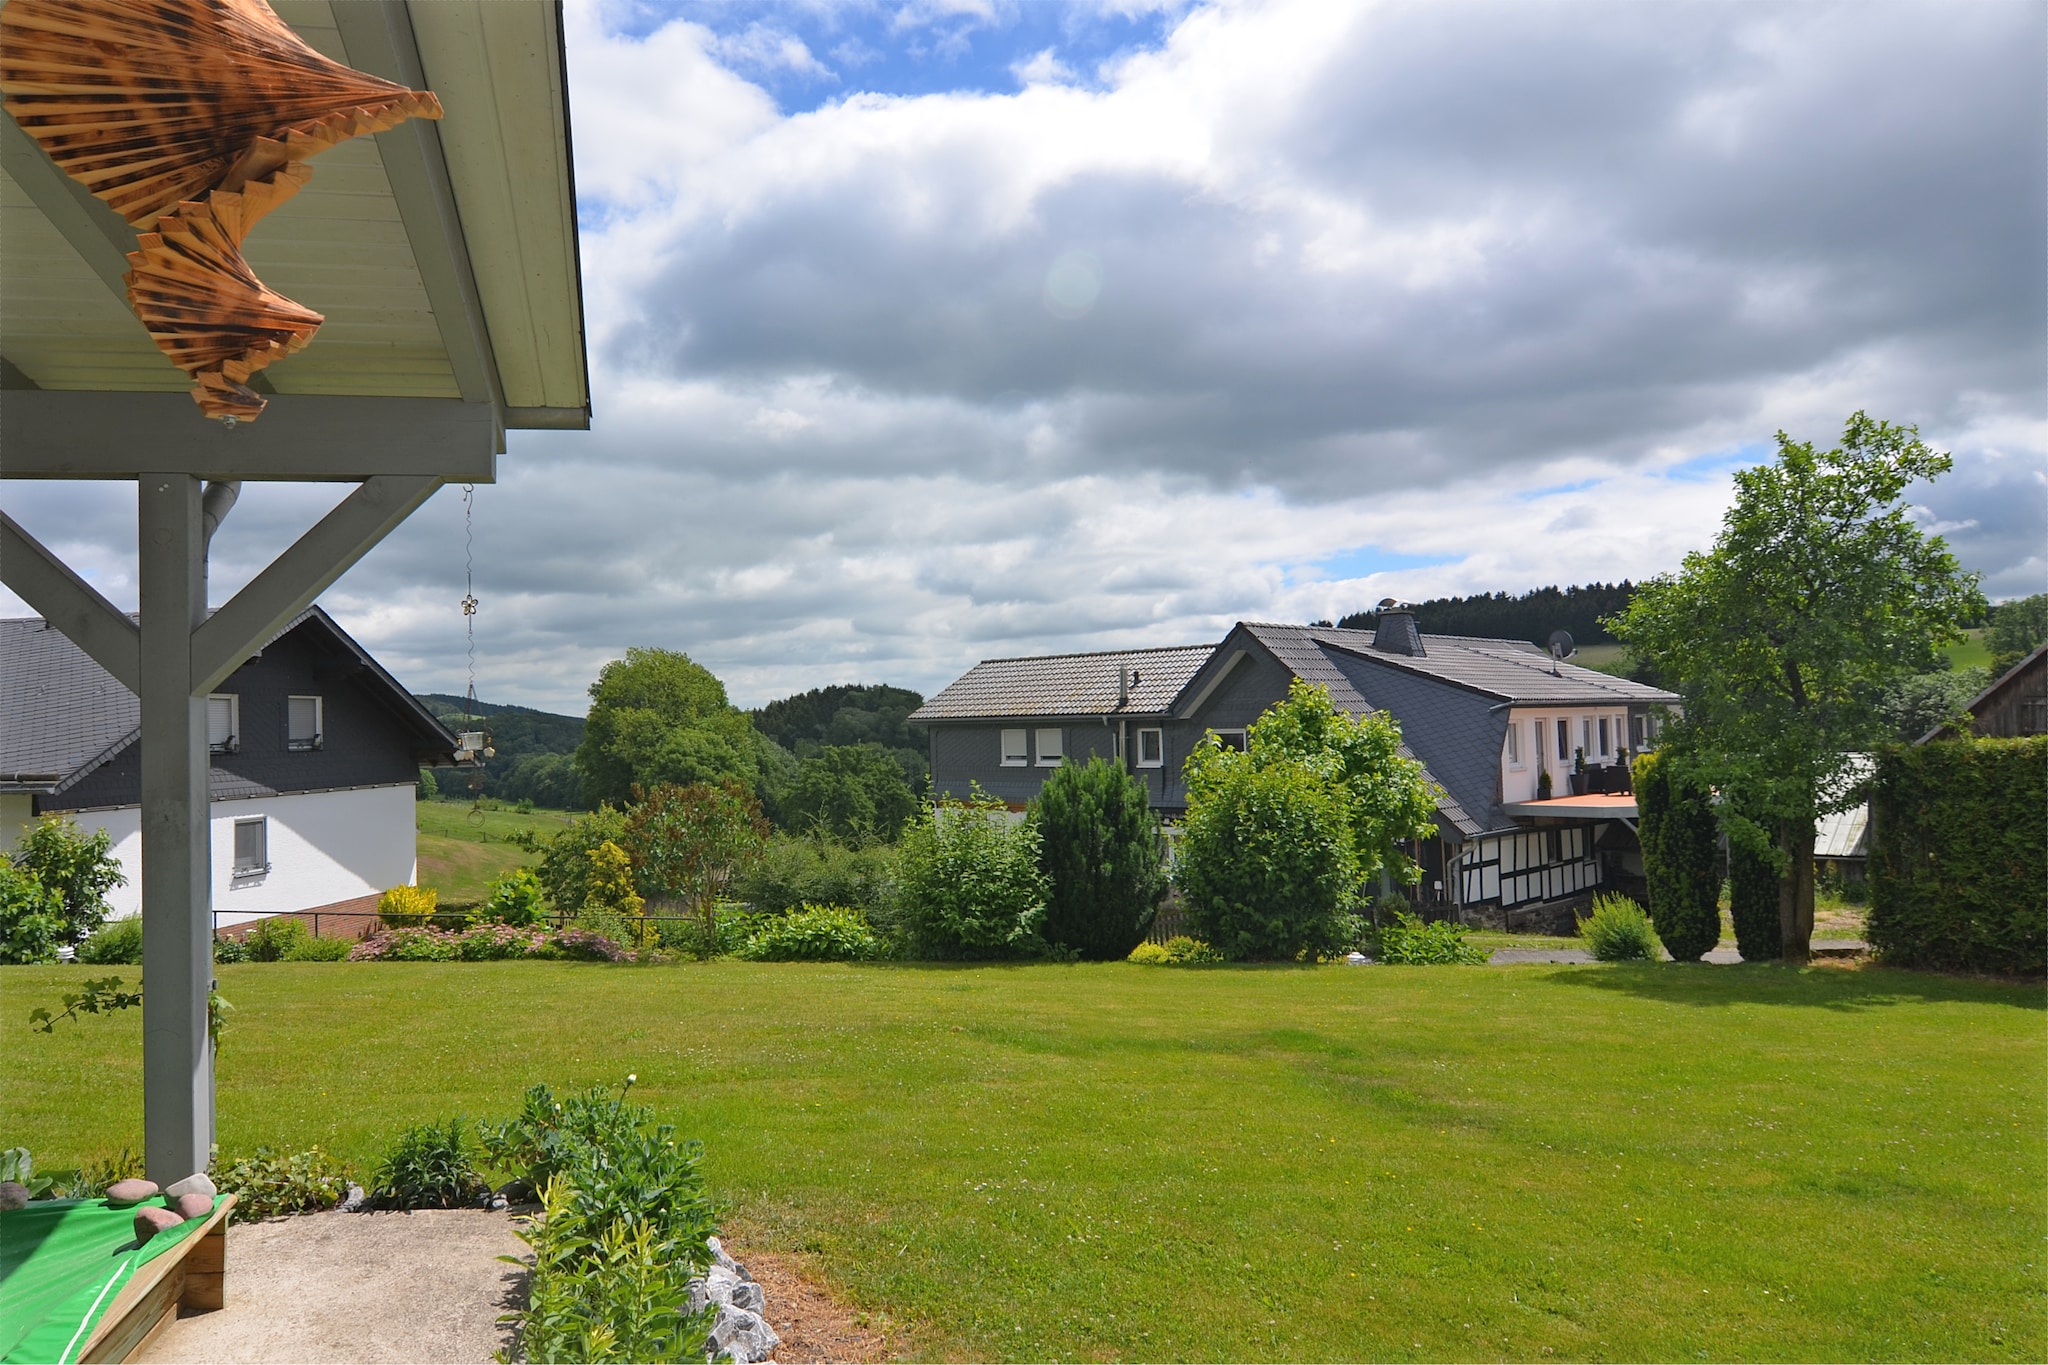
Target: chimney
[
  {"x": 1123, "y": 686},
  {"x": 1394, "y": 632}
]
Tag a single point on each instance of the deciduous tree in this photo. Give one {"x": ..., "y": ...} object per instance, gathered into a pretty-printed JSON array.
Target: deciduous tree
[
  {"x": 657, "y": 717},
  {"x": 691, "y": 841},
  {"x": 1819, "y": 592}
]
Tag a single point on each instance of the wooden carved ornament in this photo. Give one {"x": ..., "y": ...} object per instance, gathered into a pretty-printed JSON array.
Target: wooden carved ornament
[{"x": 192, "y": 119}]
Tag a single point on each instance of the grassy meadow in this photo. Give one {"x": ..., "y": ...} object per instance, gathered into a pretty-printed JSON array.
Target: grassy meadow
[
  {"x": 1116, "y": 1162},
  {"x": 461, "y": 849}
]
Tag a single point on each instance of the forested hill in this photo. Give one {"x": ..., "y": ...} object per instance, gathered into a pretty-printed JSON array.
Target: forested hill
[
  {"x": 1531, "y": 617},
  {"x": 848, "y": 714},
  {"x": 532, "y": 762}
]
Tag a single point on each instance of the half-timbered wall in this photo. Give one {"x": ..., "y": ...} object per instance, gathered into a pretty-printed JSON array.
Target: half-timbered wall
[{"x": 1529, "y": 866}]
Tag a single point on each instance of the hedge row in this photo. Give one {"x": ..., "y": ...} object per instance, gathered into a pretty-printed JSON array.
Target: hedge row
[{"x": 1959, "y": 856}]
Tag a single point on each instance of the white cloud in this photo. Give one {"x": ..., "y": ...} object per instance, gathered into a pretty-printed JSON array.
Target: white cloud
[{"x": 1504, "y": 289}]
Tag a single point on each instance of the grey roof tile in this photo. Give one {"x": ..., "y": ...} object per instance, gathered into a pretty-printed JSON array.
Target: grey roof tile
[
  {"x": 59, "y": 711},
  {"x": 1507, "y": 670},
  {"x": 1066, "y": 685}
]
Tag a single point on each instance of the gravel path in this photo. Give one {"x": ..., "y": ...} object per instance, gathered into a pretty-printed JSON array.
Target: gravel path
[{"x": 425, "y": 1286}]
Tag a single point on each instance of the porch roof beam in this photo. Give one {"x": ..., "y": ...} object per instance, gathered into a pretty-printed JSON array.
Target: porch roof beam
[
  {"x": 254, "y": 616},
  {"x": 70, "y": 604},
  {"x": 379, "y": 39},
  {"x": 52, "y": 434}
]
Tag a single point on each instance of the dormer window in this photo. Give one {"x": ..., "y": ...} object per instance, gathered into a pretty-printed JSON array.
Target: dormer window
[{"x": 303, "y": 723}]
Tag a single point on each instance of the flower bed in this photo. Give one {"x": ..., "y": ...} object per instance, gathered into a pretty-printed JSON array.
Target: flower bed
[{"x": 487, "y": 943}]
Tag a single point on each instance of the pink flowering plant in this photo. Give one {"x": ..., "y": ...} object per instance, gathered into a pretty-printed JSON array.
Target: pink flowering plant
[{"x": 487, "y": 943}]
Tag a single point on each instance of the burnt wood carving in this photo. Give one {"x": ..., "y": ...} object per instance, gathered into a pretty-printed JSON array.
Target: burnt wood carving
[{"x": 192, "y": 119}]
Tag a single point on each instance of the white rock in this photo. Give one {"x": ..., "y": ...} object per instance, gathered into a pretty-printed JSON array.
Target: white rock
[
  {"x": 192, "y": 1184},
  {"x": 698, "y": 1298},
  {"x": 741, "y": 1336},
  {"x": 718, "y": 1254}
]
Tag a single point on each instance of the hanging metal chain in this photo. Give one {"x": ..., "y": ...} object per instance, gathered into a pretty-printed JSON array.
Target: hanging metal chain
[{"x": 469, "y": 602}]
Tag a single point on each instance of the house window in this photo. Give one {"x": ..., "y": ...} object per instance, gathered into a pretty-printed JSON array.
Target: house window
[
  {"x": 1230, "y": 739},
  {"x": 1514, "y": 744},
  {"x": 223, "y": 723},
  {"x": 1051, "y": 748},
  {"x": 1564, "y": 739},
  {"x": 302, "y": 723},
  {"x": 1151, "y": 748},
  {"x": 1637, "y": 724},
  {"x": 1014, "y": 753},
  {"x": 1586, "y": 735},
  {"x": 1603, "y": 737},
  {"x": 252, "y": 847}
]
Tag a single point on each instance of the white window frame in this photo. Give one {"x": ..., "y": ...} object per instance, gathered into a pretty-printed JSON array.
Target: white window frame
[
  {"x": 1016, "y": 750},
  {"x": 1564, "y": 740},
  {"x": 1158, "y": 760},
  {"x": 319, "y": 738},
  {"x": 1058, "y": 752},
  {"x": 260, "y": 867},
  {"x": 233, "y": 742},
  {"x": 1224, "y": 736},
  {"x": 1514, "y": 744},
  {"x": 1606, "y": 728}
]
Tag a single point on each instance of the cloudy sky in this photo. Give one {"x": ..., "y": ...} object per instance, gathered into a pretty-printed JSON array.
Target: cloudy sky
[{"x": 924, "y": 331}]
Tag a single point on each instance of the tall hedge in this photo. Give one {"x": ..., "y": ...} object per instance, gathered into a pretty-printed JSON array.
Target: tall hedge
[
  {"x": 1959, "y": 855},
  {"x": 1100, "y": 848},
  {"x": 1681, "y": 858},
  {"x": 1753, "y": 903}
]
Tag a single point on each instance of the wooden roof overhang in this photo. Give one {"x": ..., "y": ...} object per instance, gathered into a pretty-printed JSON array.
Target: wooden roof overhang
[{"x": 441, "y": 253}]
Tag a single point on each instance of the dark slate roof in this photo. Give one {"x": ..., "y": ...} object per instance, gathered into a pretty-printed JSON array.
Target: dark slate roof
[
  {"x": 1506, "y": 670},
  {"x": 1300, "y": 652},
  {"x": 1066, "y": 685},
  {"x": 62, "y": 715},
  {"x": 59, "y": 711}
]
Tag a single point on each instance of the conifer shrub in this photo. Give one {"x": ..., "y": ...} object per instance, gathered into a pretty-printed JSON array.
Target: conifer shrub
[
  {"x": 1681, "y": 858},
  {"x": 1101, "y": 851},
  {"x": 1959, "y": 856},
  {"x": 1618, "y": 930},
  {"x": 1753, "y": 903}
]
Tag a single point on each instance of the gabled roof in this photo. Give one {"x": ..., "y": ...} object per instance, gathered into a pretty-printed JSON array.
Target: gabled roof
[
  {"x": 2011, "y": 679},
  {"x": 1067, "y": 685},
  {"x": 1507, "y": 670},
  {"x": 62, "y": 715},
  {"x": 1299, "y": 652}
]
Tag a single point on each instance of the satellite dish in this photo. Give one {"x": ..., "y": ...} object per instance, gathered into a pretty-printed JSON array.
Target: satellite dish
[{"x": 1561, "y": 647}]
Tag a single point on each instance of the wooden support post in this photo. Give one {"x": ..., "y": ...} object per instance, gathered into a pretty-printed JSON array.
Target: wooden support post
[{"x": 177, "y": 874}]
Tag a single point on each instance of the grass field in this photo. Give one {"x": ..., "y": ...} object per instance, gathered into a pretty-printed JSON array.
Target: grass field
[
  {"x": 1114, "y": 1162},
  {"x": 461, "y": 849},
  {"x": 1972, "y": 653}
]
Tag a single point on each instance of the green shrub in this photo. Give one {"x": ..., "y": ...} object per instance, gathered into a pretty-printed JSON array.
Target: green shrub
[
  {"x": 813, "y": 869},
  {"x": 816, "y": 933},
  {"x": 515, "y": 898},
  {"x": 429, "y": 1167},
  {"x": 1406, "y": 941},
  {"x": 79, "y": 868},
  {"x": 1619, "y": 930},
  {"x": 31, "y": 917},
  {"x": 408, "y": 945},
  {"x": 624, "y": 1225},
  {"x": 229, "y": 950},
  {"x": 1681, "y": 858},
  {"x": 732, "y": 925},
  {"x": 268, "y": 1185},
  {"x": 275, "y": 939},
  {"x": 1959, "y": 856},
  {"x": 1100, "y": 848},
  {"x": 970, "y": 885},
  {"x": 565, "y": 868},
  {"x": 1753, "y": 903},
  {"x": 1178, "y": 951},
  {"x": 849, "y": 791},
  {"x": 319, "y": 950},
  {"x": 117, "y": 943},
  {"x": 1266, "y": 865}
]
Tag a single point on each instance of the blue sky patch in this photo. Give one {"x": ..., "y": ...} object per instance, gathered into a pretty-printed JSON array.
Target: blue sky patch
[
  {"x": 808, "y": 55},
  {"x": 1360, "y": 562}
]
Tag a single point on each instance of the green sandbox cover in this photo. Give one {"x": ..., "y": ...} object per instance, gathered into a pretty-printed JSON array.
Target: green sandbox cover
[{"x": 62, "y": 1262}]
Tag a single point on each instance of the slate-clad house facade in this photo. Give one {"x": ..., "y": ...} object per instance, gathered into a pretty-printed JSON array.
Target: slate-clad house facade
[
  {"x": 314, "y": 758},
  {"x": 1486, "y": 718}
]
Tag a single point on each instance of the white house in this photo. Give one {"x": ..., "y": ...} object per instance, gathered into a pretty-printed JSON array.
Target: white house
[{"x": 316, "y": 752}]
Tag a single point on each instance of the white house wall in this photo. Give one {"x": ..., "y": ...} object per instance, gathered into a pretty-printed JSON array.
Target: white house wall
[
  {"x": 1518, "y": 776},
  {"x": 17, "y": 813},
  {"x": 323, "y": 847}
]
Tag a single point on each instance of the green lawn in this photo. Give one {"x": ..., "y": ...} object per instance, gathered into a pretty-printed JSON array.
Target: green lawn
[
  {"x": 1972, "y": 653},
  {"x": 1116, "y": 1162},
  {"x": 461, "y": 849}
]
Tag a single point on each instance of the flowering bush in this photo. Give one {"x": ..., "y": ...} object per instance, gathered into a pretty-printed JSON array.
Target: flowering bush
[
  {"x": 406, "y": 905},
  {"x": 487, "y": 943}
]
